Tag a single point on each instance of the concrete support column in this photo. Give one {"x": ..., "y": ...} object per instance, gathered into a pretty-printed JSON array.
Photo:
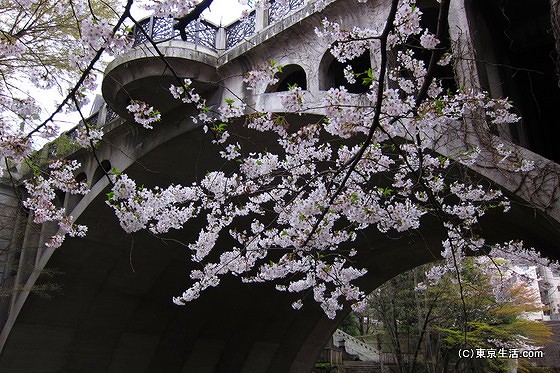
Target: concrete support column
[
  {"x": 9, "y": 209},
  {"x": 221, "y": 38},
  {"x": 463, "y": 49}
]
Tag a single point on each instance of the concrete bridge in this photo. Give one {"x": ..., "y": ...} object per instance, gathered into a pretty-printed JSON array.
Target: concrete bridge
[{"x": 114, "y": 312}]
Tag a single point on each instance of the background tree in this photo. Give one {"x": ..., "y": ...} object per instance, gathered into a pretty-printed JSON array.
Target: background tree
[
  {"x": 45, "y": 46},
  {"x": 425, "y": 326}
]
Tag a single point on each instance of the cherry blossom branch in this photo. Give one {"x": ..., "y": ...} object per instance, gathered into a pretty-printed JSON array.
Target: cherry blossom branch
[
  {"x": 382, "y": 72},
  {"x": 85, "y": 73}
]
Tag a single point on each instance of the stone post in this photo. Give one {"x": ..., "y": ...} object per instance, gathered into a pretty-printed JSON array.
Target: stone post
[
  {"x": 221, "y": 39},
  {"x": 261, "y": 18}
]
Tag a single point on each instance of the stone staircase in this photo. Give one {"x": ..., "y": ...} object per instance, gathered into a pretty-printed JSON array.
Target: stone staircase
[
  {"x": 354, "y": 346},
  {"x": 362, "y": 367}
]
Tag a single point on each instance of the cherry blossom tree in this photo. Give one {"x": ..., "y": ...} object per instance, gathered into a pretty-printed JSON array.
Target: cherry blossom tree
[{"x": 378, "y": 161}]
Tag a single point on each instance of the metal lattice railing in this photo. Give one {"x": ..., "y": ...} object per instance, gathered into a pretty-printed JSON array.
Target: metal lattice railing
[
  {"x": 161, "y": 29},
  {"x": 94, "y": 121},
  {"x": 202, "y": 33},
  {"x": 240, "y": 30},
  {"x": 142, "y": 30},
  {"x": 279, "y": 8},
  {"x": 110, "y": 115}
]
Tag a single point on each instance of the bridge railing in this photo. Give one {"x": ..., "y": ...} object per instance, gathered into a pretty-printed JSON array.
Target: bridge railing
[
  {"x": 161, "y": 29},
  {"x": 211, "y": 36},
  {"x": 66, "y": 144}
]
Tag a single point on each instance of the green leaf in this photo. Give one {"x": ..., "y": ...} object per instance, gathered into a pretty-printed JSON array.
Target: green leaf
[
  {"x": 221, "y": 127},
  {"x": 368, "y": 78},
  {"x": 439, "y": 105}
]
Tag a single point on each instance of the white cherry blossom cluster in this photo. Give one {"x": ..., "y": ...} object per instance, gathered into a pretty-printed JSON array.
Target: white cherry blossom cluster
[
  {"x": 143, "y": 208},
  {"x": 42, "y": 196},
  {"x": 308, "y": 188},
  {"x": 14, "y": 146},
  {"x": 87, "y": 135},
  {"x": 294, "y": 211},
  {"x": 263, "y": 76},
  {"x": 11, "y": 48},
  {"x": 187, "y": 94},
  {"x": 170, "y": 8},
  {"x": 407, "y": 22},
  {"x": 428, "y": 40},
  {"x": 293, "y": 99},
  {"x": 95, "y": 32},
  {"x": 144, "y": 114},
  {"x": 348, "y": 44}
]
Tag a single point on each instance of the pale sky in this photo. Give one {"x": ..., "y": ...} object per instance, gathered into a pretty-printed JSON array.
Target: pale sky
[{"x": 226, "y": 11}]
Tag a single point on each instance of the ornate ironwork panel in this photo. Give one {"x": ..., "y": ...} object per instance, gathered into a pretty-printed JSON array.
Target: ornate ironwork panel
[
  {"x": 240, "y": 30},
  {"x": 163, "y": 29},
  {"x": 280, "y": 8},
  {"x": 72, "y": 133},
  {"x": 139, "y": 36},
  {"x": 202, "y": 33}
]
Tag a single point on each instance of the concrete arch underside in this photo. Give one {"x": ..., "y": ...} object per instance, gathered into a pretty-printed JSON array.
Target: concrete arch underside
[{"x": 115, "y": 314}]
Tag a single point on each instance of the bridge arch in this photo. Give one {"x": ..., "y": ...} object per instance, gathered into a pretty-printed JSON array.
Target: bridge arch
[
  {"x": 291, "y": 74},
  {"x": 331, "y": 72},
  {"x": 116, "y": 312},
  {"x": 116, "y": 315}
]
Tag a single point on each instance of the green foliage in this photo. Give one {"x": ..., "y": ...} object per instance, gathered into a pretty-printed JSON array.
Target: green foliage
[
  {"x": 350, "y": 325},
  {"x": 277, "y": 66},
  {"x": 428, "y": 328},
  {"x": 64, "y": 145},
  {"x": 221, "y": 127},
  {"x": 367, "y": 77},
  {"x": 324, "y": 365}
]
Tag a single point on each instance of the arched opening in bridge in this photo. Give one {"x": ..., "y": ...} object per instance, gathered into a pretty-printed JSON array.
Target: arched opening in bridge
[
  {"x": 515, "y": 51},
  {"x": 59, "y": 198},
  {"x": 331, "y": 72},
  {"x": 101, "y": 170},
  {"x": 291, "y": 75}
]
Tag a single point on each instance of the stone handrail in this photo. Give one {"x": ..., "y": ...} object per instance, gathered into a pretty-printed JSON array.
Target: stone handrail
[
  {"x": 100, "y": 119},
  {"x": 354, "y": 346}
]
